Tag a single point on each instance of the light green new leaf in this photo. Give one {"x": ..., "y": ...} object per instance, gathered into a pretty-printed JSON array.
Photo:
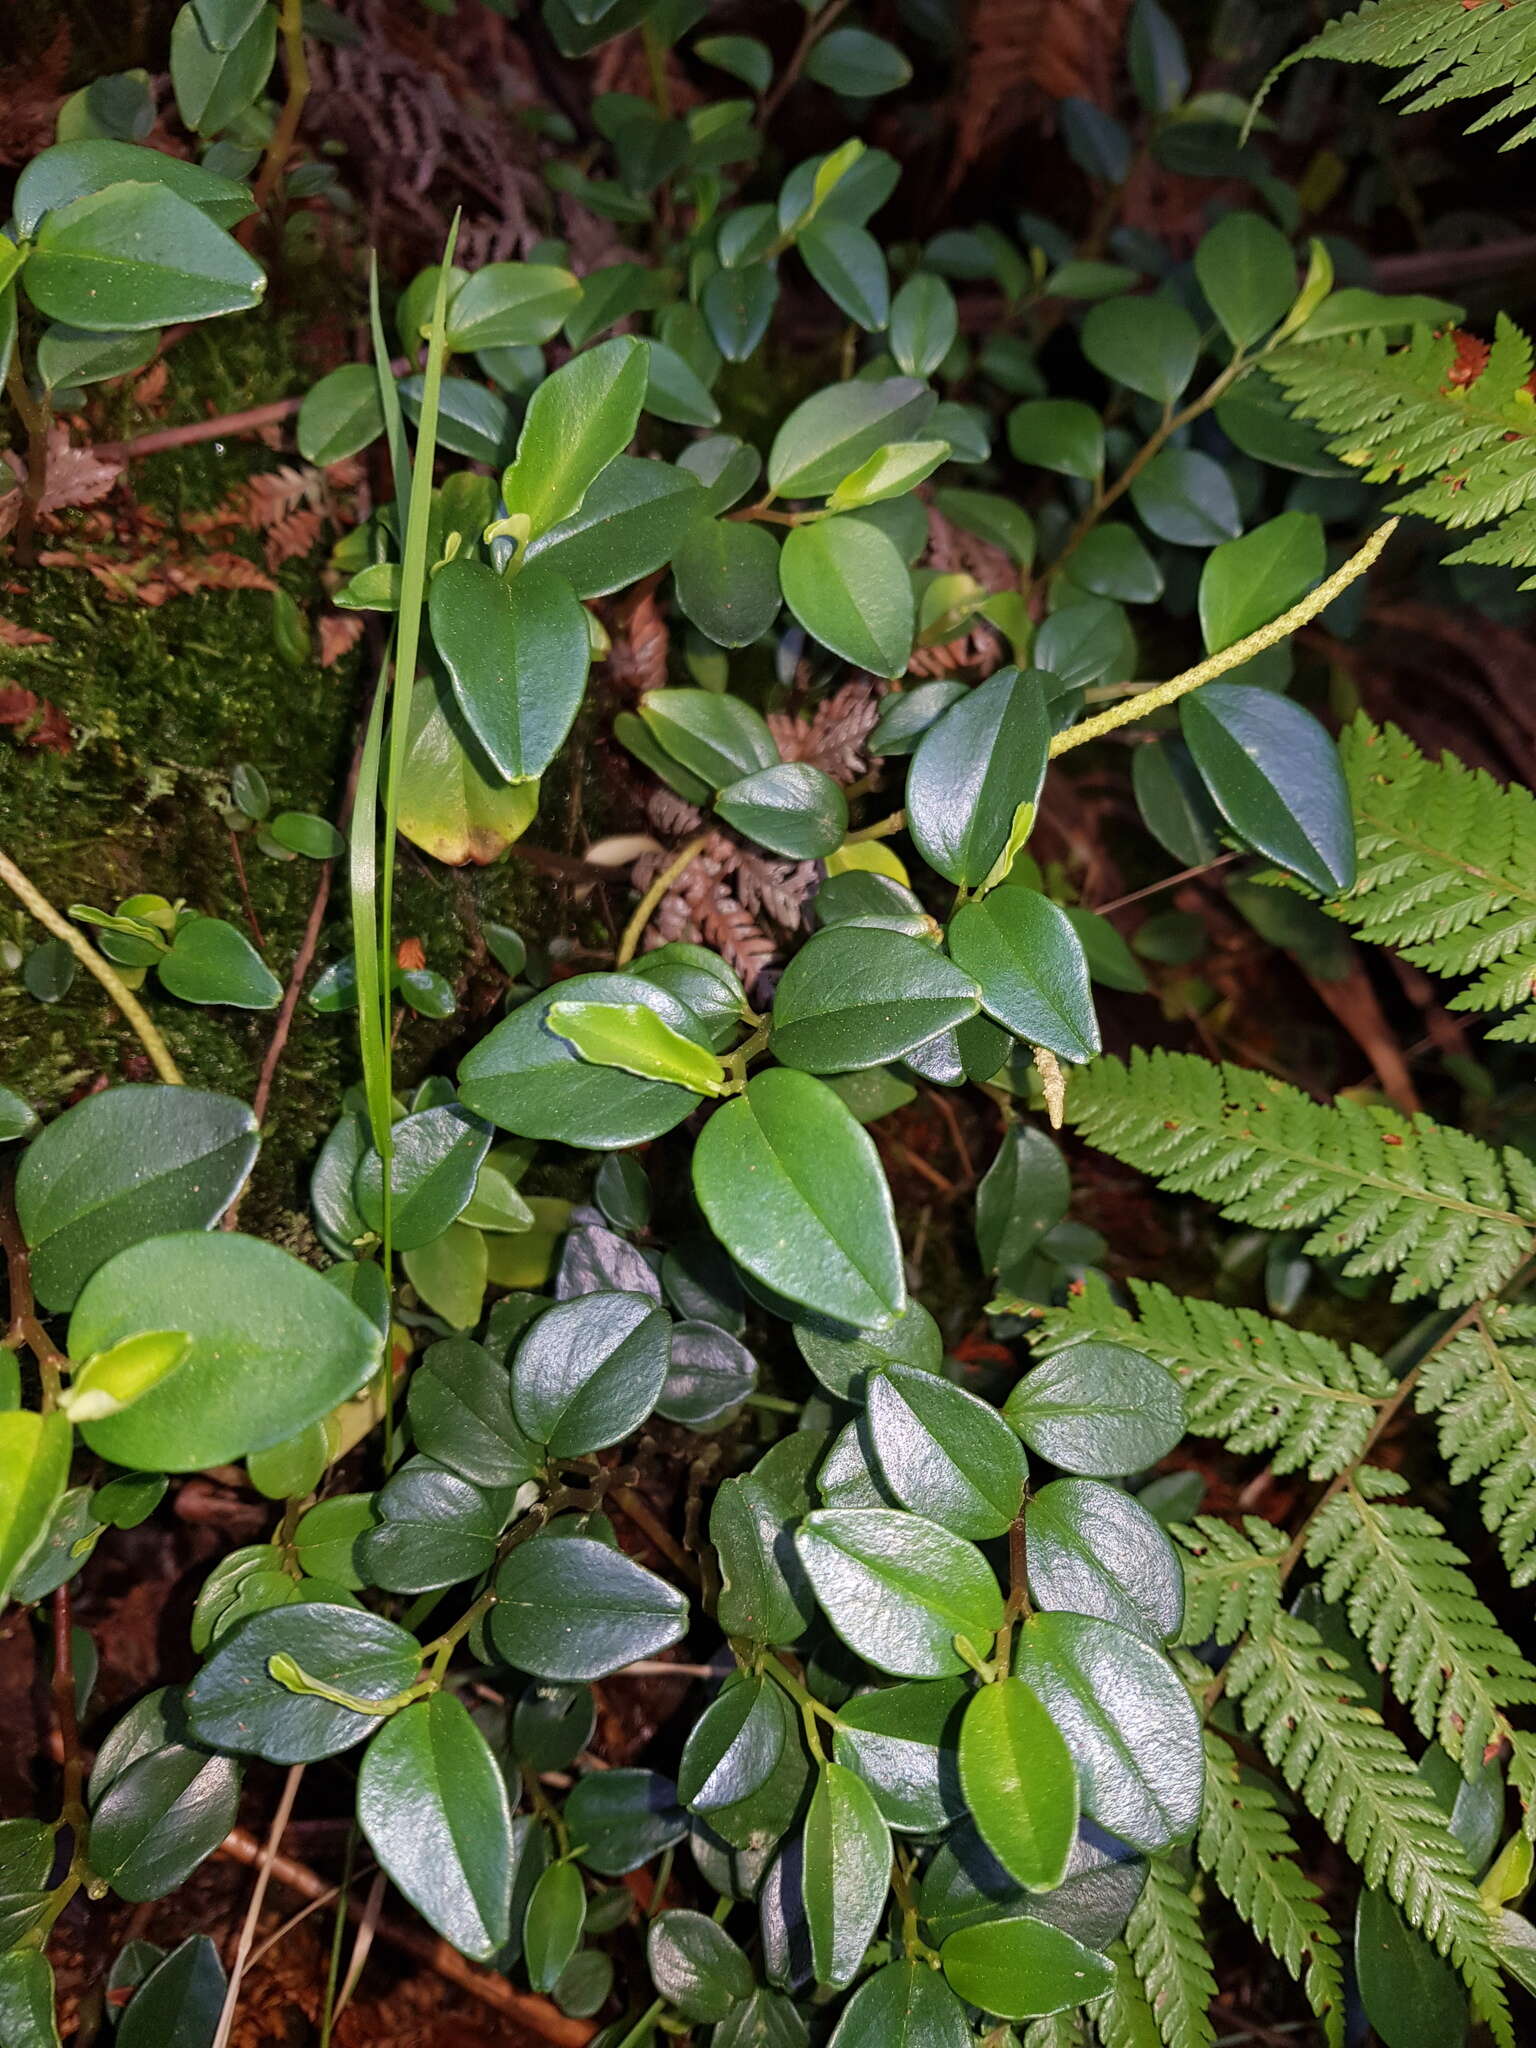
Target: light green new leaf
[
  {"x": 845, "y": 1873},
  {"x": 34, "y": 1466},
  {"x": 890, "y": 472},
  {"x": 578, "y": 420},
  {"x": 1020, "y": 1783},
  {"x": 632, "y": 1037}
]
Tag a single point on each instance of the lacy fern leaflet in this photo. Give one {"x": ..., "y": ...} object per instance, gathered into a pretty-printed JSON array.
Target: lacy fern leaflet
[{"x": 1389, "y": 1193}]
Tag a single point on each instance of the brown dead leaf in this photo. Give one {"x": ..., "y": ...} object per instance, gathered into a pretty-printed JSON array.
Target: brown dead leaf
[
  {"x": 12, "y": 635},
  {"x": 292, "y": 536},
  {"x": 37, "y": 723},
  {"x": 76, "y": 476},
  {"x": 339, "y": 634}
]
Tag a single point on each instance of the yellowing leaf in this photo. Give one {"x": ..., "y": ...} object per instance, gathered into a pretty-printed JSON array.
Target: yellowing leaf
[{"x": 629, "y": 1036}]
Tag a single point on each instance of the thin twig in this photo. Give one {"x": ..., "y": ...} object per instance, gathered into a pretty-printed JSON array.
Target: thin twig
[
  {"x": 285, "y": 134},
  {"x": 247, "y": 422},
  {"x": 632, "y": 1504},
  {"x": 816, "y": 26},
  {"x": 245, "y": 889},
  {"x": 265, "y": 1862},
  {"x": 1206, "y": 867},
  {"x": 538, "y": 2014},
  {"x": 678, "y": 866},
  {"x": 93, "y": 963}
]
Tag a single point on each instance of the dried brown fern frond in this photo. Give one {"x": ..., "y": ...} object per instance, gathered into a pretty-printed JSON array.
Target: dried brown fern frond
[
  {"x": 638, "y": 660},
  {"x": 1023, "y": 54},
  {"x": 832, "y": 737}
]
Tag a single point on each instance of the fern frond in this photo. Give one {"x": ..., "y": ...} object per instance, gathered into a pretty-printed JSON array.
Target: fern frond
[
  {"x": 1482, "y": 1388},
  {"x": 1231, "y": 1577},
  {"x": 1463, "y": 432},
  {"x": 1447, "y": 870},
  {"x": 1171, "y": 1958},
  {"x": 1405, "y": 1595},
  {"x": 1393, "y": 1193},
  {"x": 1254, "y": 1382},
  {"x": 1450, "y": 52},
  {"x": 1056, "y": 2030},
  {"x": 1313, "y": 1724},
  {"x": 1246, "y": 1845},
  {"x": 1122, "y": 2018}
]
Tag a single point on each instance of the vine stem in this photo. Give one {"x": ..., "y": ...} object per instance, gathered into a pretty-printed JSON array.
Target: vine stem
[
  {"x": 679, "y": 865},
  {"x": 815, "y": 28},
  {"x": 1154, "y": 698},
  {"x": 1153, "y": 446},
  {"x": 1214, "y": 665},
  {"x": 286, "y": 132},
  {"x": 36, "y": 417},
  {"x": 93, "y": 963}
]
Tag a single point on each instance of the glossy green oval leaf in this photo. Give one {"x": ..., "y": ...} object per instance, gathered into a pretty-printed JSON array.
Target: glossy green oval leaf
[
  {"x": 129, "y": 1163},
  {"x": 1247, "y": 272},
  {"x": 589, "y": 1370},
  {"x": 1150, "y": 345},
  {"x": 1100, "y": 1409},
  {"x": 511, "y": 305},
  {"x": 435, "y": 1158},
  {"x": 846, "y": 583},
  {"x": 727, "y": 579},
  {"x": 178, "y": 2002},
  {"x": 527, "y": 1079},
  {"x": 845, "y": 1873},
  {"x": 849, "y": 265},
  {"x": 890, "y": 472},
  {"x": 710, "y": 1375},
  {"x": 1023, "y": 1195},
  {"x": 858, "y": 996},
  {"x": 842, "y": 1359},
  {"x": 235, "y": 1701},
  {"x": 1186, "y": 497},
  {"x": 833, "y": 431},
  {"x": 1275, "y": 776},
  {"x": 433, "y": 1529},
  {"x": 160, "y": 1816},
  {"x": 764, "y": 1595},
  {"x": 902, "y": 1740},
  {"x": 1022, "y": 953},
  {"x": 1020, "y": 1783},
  {"x": 210, "y": 961},
  {"x": 1248, "y": 583},
  {"x": 695, "y": 1966},
  {"x": 974, "y": 768},
  {"x": 452, "y": 803},
  {"x": 634, "y": 518},
  {"x": 1060, "y": 434},
  {"x": 734, "y": 1747},
  {"x": 135, "y": 256},
  {"x": 898, "y": 1588},
  {"x": 516, "y": 653},
  {"x": 720, "y": 739},
  {"x": 217, "y": 78},
  {"x": 924, "y": 323},
  {"x": 71, "y": 170},
  {"x": 793, "y": 1188},
  {"x": 460, "y": 1404},
  {"x": 553, "y": 1924},
  {"x": 578, "y": 420},
  {"x": 272, "y": 1348},
  {"x": 1020, "y": 1969},
  {"x": 944, "y": 1453},
  {"x": 1095, "y": 1550},
  {"x": 432, "y": 1805},
  {"x": 1412, "y": 1996},
  {"x": 340, "y": 415},
  {"x": 1128, "y": 1720},
  {"x": 793, "y": 809},
  {"x": 569, "y": 1608},
  {"x": 737, "y": 305},
  {"x": 1174, "y": 803}
]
